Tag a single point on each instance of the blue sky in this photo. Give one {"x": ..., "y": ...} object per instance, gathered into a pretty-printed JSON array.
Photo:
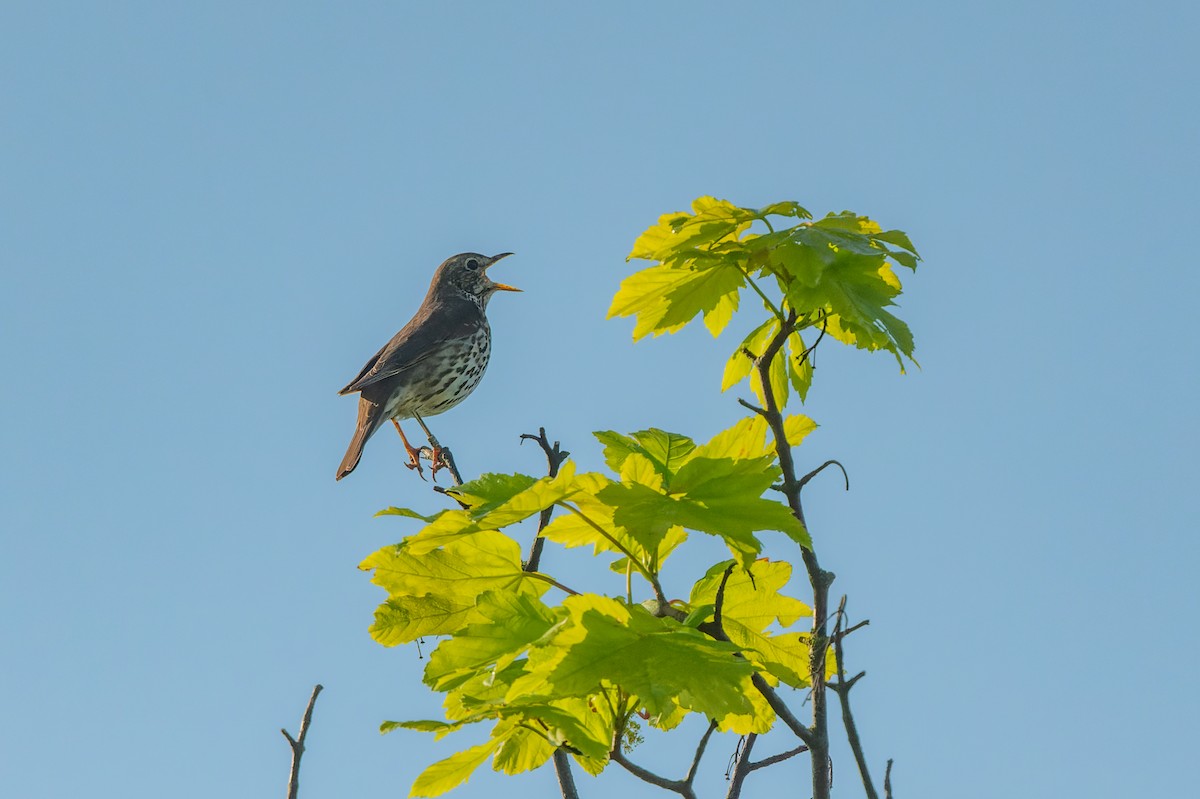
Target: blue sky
[{"x": 212, "y": 214}]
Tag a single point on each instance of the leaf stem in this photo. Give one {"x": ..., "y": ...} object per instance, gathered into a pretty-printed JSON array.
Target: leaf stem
[
  {"x": 766, "y": 300},
  {"x": 548, "y": 579},
  {"x": 650, "y": 576}
]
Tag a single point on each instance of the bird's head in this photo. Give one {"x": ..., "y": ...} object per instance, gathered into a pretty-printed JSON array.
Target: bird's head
[{"x": 466, "y": 273}]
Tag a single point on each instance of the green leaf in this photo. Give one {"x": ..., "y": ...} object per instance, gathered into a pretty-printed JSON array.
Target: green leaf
[
  {"x": 448, "y": 774},
  {"x": 855, "y": 291},
  {"x": 752, "y": 603},
  {"x": 710, "y": 222},
  {"x": 724, "y": 497},
  {"x": 513, "y": 622},
  {"x": 717, "y": 318},
  {"x": 490, "y": 491},
  {"x": 796, "y": 428},
  {"x": 666, "y": 451},
  {"x": 643, "y": 512},
  {"x": 718, "y": 496},
  {"x": 436, "y": 592},
  {"x": 440, "y": 729},
  {"x": 740, "y": 363},
  {"x": 848, "y": 222},
  {"x": 541, "y": 494},
  {"x": 400, "y": 620},
  {"x": 412, "y": 514},
  {"x": 746, "y": 439},
  {"x": 659, "y": 660},
  {"x": 444, "y": 528},
  {"x": 785, "y": 209},
  {"x": 666, "y": 297},
  {"x": 617, "y": 447},
  {"x": 523, "y": 750}
]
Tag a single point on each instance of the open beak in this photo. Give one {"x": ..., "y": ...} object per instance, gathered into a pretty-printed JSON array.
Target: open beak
[{"x": 501, "y": 286}]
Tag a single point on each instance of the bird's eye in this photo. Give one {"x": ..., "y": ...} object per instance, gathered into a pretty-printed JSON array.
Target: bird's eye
[{"x": 472, "y": 264}]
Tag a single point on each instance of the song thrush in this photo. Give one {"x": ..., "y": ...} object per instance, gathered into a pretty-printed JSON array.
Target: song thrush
[{"x": 433, "y": 363}]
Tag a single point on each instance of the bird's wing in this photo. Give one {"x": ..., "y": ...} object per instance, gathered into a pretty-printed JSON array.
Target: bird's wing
[{"x": 419, "y": 339}]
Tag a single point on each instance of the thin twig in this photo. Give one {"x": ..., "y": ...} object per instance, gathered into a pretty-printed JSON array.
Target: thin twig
[
  {"x": 700, "y": 747},
  {"x": 741, "y": 768},
  {"x": 840, "y": 635},
  {"x": 554, "y": 458},
  {"x": 752, "y": 407},
  {"x": 843, "y": 693},
  {"x": 779, "y": 758},
  {"x": 297, "y": 744},
  {"x": 804, "y": 480},
  {"x": 548, "y": 579},
  {"x": 807, "y": 354},
  {"x": 887, "y": 781}
]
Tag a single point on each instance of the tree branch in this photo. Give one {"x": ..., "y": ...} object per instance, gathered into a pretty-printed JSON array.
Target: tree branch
[
  {"x": 779, "y": 758},
  {"x": 887, "y": 781},
  {"x": 297, "y": 744},
  {"x": 700, "y": 747},
  {"x": 782, "y": 710},
  {"x": 566, "y": 780},
  {"x": 816, "y": 737},
  {"x": 804, "y": 480},
  {"x": 554, "y": 458},
  {"x": 680, "y": 787},
  {"x": 843, "y": 693}
]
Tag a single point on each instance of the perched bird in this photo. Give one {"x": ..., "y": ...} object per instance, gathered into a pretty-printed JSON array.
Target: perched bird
[{"x": 433, "y": 363}]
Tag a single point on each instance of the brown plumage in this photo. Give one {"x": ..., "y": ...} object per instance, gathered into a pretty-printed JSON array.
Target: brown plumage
[{"x": 434, "y": 362}]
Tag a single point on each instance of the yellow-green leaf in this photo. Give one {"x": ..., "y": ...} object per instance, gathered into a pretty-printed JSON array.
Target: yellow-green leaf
[
  {"x": 448, "y": 774},
  {"x": 796, "y": 428}
]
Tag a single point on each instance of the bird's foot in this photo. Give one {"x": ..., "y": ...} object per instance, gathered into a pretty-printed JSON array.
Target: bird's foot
[
  {"x": 439, "y": 458},
  {"x": 414, "y": 462},
  {"x": 414, "y": 454}
]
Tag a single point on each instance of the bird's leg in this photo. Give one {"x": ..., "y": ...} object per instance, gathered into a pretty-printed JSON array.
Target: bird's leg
[
  {"x": 438, "y": 455},
  {"x": 414, "y": 454}
]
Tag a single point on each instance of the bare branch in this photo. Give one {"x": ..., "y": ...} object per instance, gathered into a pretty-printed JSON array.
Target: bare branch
[
  {"x": 779, "y": 758},
  {"x": 751, "y": 406},
  {"x": 887, "y": 781},
  {"x": 782, "y": 710},
  {"x": 700, "y": 747},
  {"x": 804, "y": 480},
  {"x": 554, "y": 458},
  {"x": 843, "y": 693},
  {"x": 680, "y": 787},
  {"x": 297, "y": 744},
  {"x": 852, "y": 628}
]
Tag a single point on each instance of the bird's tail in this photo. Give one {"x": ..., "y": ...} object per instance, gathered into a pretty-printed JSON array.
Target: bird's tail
[{"x": 370, "y": 417}]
